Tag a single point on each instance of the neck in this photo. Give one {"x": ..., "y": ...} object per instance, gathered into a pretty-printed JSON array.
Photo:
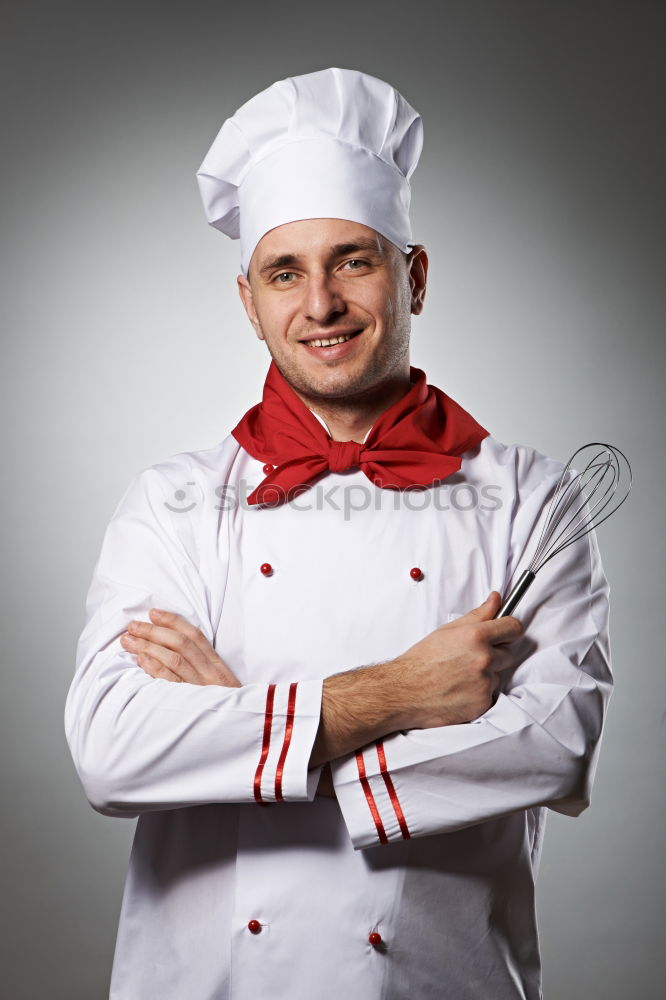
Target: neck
[{"x": 351, "y": 418}]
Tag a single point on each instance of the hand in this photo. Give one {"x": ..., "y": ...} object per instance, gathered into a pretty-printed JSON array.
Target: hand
[
  {"x": 174, "y": 650},
  {"x": 452, "y": 675}
]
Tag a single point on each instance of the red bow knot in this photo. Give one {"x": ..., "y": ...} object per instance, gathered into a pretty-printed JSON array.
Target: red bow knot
[
  {"x": 344, "y": 455},
  {"x": 413, "y": 444}
]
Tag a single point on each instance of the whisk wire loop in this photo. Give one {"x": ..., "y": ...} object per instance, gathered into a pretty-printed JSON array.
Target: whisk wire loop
[
  {"x": 585, "y": 487},
  {"x": 575, "y": 509}
]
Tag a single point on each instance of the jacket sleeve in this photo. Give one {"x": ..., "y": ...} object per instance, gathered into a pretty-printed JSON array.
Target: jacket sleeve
[
  {"x": 142, "y": 744},
  {"x": 536, "y": 746}
]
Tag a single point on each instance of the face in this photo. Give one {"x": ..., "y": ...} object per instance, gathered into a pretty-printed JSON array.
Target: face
[{"x": 333, "y": 301}]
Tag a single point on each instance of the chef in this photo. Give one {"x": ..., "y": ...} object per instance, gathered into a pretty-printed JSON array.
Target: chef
[{"x": 290, "y": 670}]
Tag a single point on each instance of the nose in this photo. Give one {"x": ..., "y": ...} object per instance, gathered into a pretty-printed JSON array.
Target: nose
[{"x": 323, "y": 300}]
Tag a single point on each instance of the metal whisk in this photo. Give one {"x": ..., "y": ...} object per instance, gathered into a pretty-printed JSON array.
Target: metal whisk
[{"x": 577, "y": 506}]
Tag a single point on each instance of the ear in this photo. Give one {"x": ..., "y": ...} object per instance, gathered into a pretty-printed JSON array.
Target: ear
[
  {"x": 245, "y": 292},
  {"x": 418, "y": 276}
]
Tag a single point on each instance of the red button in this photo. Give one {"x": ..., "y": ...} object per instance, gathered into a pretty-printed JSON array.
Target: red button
[
  {"x": 375, "y": 938},
  {"x": 266, "y": 569},
  {"x": 254, "y": 927},
  {"x": 268, "y": 468},
  {"x": 416, "y": 573}
]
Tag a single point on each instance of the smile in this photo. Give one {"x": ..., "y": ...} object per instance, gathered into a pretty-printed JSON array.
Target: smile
[{"x": 331, "y": 341}]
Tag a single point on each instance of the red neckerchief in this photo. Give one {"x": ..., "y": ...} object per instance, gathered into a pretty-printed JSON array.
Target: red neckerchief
[{"x": 415, "y": 443}]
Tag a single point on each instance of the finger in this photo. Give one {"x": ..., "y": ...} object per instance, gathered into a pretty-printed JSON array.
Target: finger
[
  {"x": 170, "y": 639},
  {"x": 156, "y": 669},
  {"x": 484, "y": 612},
  {"x": 502, "y": 660},
  {"x": 172, "y": 620},
  {"x": 505, "y": 629},
  {"x": 184, "y": 659},
  {"x": 209, "y": 663},
  {"x": 173, "y": 660}
]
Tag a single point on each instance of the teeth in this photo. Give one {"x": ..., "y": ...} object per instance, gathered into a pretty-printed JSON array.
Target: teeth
[{"x": 333, "y": 340}]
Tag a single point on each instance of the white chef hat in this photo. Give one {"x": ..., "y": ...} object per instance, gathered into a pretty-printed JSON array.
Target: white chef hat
[{"x": 337, "y": 143}]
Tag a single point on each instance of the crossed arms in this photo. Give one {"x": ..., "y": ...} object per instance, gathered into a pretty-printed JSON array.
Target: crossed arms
[
  {"x": 447, "y": 678},
  {"x": 475, "y": 720}
]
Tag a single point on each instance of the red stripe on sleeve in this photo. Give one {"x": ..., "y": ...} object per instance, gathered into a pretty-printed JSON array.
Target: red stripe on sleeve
[
  {"x": 268, "y": 722},
  {"x": 288, "y": 730},
  {"x": 365, "y": 785},
  {"x": 390, "y": 787}
]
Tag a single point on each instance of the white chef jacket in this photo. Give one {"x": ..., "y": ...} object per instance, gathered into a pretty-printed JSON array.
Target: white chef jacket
[{"x": 242, "y": 885}]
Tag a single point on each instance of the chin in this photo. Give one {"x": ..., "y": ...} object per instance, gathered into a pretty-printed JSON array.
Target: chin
[{"x": 335, "y": 384}]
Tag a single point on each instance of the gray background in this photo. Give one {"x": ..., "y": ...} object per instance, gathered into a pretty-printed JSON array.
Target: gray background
[{"x": 540, "y": 198}]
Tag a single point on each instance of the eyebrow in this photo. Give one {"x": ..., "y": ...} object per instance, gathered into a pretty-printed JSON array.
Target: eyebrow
[{"x": 338, "y": 250}]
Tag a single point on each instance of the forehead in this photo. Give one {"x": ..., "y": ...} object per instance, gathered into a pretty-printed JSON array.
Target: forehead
[{"x": 315, "y": 238}]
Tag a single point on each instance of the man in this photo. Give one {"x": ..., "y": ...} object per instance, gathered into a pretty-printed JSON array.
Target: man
[{"x": 340, "y": 770}]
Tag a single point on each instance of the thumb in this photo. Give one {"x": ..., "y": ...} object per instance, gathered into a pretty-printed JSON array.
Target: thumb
[{"x": 485, "y": 612}]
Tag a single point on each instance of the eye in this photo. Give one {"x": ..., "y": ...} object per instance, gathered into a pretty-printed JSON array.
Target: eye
[
  {"x": 283, "y": 274},
  {"x": 355, "y": 264}
]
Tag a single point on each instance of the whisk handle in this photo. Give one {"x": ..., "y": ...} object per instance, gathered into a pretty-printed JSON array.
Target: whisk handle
[{"x": 510, "y": 604}]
